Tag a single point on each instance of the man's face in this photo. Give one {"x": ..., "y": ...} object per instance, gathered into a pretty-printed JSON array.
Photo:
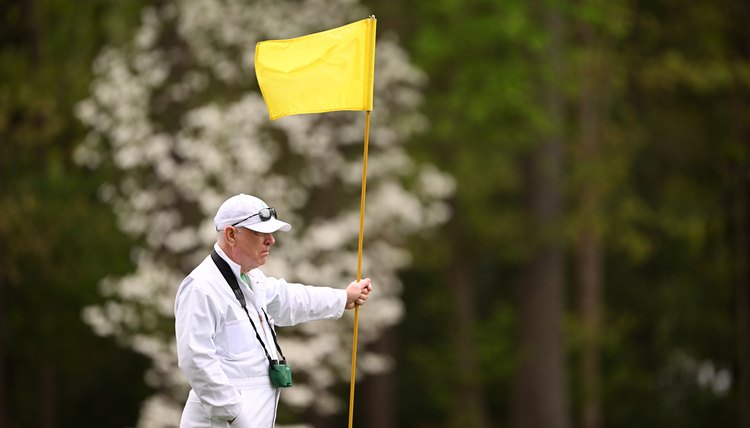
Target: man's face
[{"x": 252, "y": 248}]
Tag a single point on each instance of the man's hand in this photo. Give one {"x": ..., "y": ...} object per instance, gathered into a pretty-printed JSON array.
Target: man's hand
[{"x": 356, "y": 292}]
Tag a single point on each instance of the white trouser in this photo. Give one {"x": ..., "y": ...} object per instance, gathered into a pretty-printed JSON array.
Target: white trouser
[{"x": 259, "y": 402}]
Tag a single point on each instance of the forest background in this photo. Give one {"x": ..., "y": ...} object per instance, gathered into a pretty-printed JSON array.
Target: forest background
[{"x": 593, "y": 271}]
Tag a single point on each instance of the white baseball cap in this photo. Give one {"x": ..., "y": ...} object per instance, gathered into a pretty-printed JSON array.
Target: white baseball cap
[{"x": 248, "y": 211}]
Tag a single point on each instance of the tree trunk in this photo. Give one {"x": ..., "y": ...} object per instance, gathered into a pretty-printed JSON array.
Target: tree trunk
[
  {"x": 539, "y": 396},
  {"x": 739, "y": 221},
  {"x": 46, "y": 381},
  {"x": 468, "y": 408},
  {"x": 48, "y": 415},
  {"x": 589, "y": 298},
  {"x": 379, "y": 391},
  {"x": 3, "y": 339},
  {"x": 589, "y": 240},
  {"x": 539, "y": 393},
  {"x": 742, "y": 292}
]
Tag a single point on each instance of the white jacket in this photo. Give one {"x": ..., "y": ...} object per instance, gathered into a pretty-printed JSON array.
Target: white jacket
[{"x": 216, "y": 346}]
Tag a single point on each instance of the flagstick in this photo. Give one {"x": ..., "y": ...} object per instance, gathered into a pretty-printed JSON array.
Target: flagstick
[{"x": 359, "y": 266}]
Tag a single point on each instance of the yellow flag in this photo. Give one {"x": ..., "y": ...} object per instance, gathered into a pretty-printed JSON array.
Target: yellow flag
[{"x": 327, "y": 71}]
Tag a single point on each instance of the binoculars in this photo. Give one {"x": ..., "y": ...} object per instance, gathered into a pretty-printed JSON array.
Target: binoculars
[{"x": 281, "y": 374}]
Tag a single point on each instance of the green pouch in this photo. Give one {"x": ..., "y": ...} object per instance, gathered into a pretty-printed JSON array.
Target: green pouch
[{"x": 281, "y": 374}]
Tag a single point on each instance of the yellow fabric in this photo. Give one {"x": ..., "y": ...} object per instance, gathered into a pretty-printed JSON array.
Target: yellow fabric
[{"x": 326, "y": 71}]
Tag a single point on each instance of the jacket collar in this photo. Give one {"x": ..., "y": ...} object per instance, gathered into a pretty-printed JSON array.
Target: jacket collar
[{"x": 235, "y": 267}]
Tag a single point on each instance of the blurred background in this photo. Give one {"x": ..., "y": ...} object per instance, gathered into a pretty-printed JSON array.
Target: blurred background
[{"x": 558, "y": 221}]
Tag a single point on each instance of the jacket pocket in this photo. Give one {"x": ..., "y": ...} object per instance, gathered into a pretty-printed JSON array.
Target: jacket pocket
[{"x": 240, "y": 338}]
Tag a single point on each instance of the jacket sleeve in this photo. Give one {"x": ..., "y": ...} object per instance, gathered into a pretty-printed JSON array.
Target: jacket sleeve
[
  {"x": 196, "y": 318},
  {"x": 292, "y": 304}
]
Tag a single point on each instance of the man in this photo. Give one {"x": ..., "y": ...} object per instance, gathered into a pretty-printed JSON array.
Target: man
[{"x": 226, "y": 344}]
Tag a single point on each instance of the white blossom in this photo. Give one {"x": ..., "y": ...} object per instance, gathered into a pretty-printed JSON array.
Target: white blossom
[{"x": 178, "y": 114}]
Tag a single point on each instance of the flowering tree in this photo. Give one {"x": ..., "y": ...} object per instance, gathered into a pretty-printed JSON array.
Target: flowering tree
[{"x": 177, "y": 112}]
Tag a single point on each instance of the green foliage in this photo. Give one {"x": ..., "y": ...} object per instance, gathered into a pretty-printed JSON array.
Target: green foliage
[
  {"x": 56, "y": 240},
  {"x": 672, "y": 89}
]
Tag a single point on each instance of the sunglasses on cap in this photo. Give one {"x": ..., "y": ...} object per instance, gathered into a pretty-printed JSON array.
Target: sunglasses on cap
[{"x": 265, "y": 214}]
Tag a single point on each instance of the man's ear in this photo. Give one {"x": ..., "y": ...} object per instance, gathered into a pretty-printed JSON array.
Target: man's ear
[{"x": 230, "y": 235}]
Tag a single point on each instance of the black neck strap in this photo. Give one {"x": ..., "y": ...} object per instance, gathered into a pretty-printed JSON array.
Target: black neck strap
[{"x": 226, "y": 272}]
